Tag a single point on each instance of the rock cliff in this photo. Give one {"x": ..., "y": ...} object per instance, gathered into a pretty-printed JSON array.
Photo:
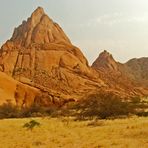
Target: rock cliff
[{"x": 41, "y": 55}]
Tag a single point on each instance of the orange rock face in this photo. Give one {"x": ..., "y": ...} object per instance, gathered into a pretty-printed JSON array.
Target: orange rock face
[
  {"x": 45, "y": 65},
  {"x": 105, "y": 61},
  {"x": 12, "y": 91},
  {"x": 131, "y": 77},
  {"x": 40, "y": 29},
  {"x": 41, "y": 55},
  {"x": 138, "y": 70}
]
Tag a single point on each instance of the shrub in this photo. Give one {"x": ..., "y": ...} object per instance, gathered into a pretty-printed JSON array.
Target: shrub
[
  {"x": 37, "y": 111},
  {"x": 8, "y": 110},
  {"x": 102, "y": 106},
  {"x": 31, "y": 125},
  {"x": 143, "y": 114}
]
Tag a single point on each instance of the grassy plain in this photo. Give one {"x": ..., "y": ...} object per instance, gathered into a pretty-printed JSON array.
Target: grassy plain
[{"x": 67, "y": 133}]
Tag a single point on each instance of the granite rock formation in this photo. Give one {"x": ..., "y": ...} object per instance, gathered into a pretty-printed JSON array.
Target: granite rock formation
[
  {"x": 48, "y": 69},
  {"x": 41, "y": 55},
  {"x": 132, "y": 76},
  {"x": 105, "y": 61},
  {"x": 14, "y": 92}
]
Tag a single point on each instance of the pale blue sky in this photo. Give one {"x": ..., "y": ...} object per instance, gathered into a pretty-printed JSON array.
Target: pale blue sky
[{"x": 119, "y": 26}]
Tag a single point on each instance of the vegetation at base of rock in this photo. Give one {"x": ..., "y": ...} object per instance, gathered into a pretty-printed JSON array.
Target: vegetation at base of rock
[
  {"x": 100, "y": 106},
  {"x": 106, "y": 106},
  {"x": 10, "y": 111},
  {"x": 103, "y": 106}
]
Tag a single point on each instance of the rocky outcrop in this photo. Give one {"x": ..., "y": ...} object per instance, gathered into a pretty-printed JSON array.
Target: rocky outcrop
[
  {"x": 41, "y": 55},
  {"x": 49, "y": 69},
  {"x": 137, "y": 70},
  {"x": 25, "y": 95},
  {"x": 7, "y": 89},
  {"x": 132, "y": 77},
  {"x": 16, "y": 93},
  {"x": 40, "y": 29},
  {"x": 105, "y": 61}
]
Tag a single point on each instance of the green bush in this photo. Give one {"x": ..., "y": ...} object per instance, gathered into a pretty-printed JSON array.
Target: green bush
[{"x": 102, "y": 106}]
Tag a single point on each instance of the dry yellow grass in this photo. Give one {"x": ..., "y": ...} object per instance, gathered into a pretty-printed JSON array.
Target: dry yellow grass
[{"x": 65, "y": 133}]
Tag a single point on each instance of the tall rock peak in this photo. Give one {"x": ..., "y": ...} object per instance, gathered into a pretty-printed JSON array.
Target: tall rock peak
[
  {"x": 39, "y": 29},
  {"x": 37, "y": 15},
  {"x": 40, "y": 54},
  {"x": 105, "y": 61},
  {"x": 39, "y": 10}
]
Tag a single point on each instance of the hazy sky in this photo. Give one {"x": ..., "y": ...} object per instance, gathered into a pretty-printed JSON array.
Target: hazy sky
[{"x": 119, "y": 26}]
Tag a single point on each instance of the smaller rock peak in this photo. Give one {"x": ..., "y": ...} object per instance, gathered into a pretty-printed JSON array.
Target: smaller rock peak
[{"x": 106, "y": 61}]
